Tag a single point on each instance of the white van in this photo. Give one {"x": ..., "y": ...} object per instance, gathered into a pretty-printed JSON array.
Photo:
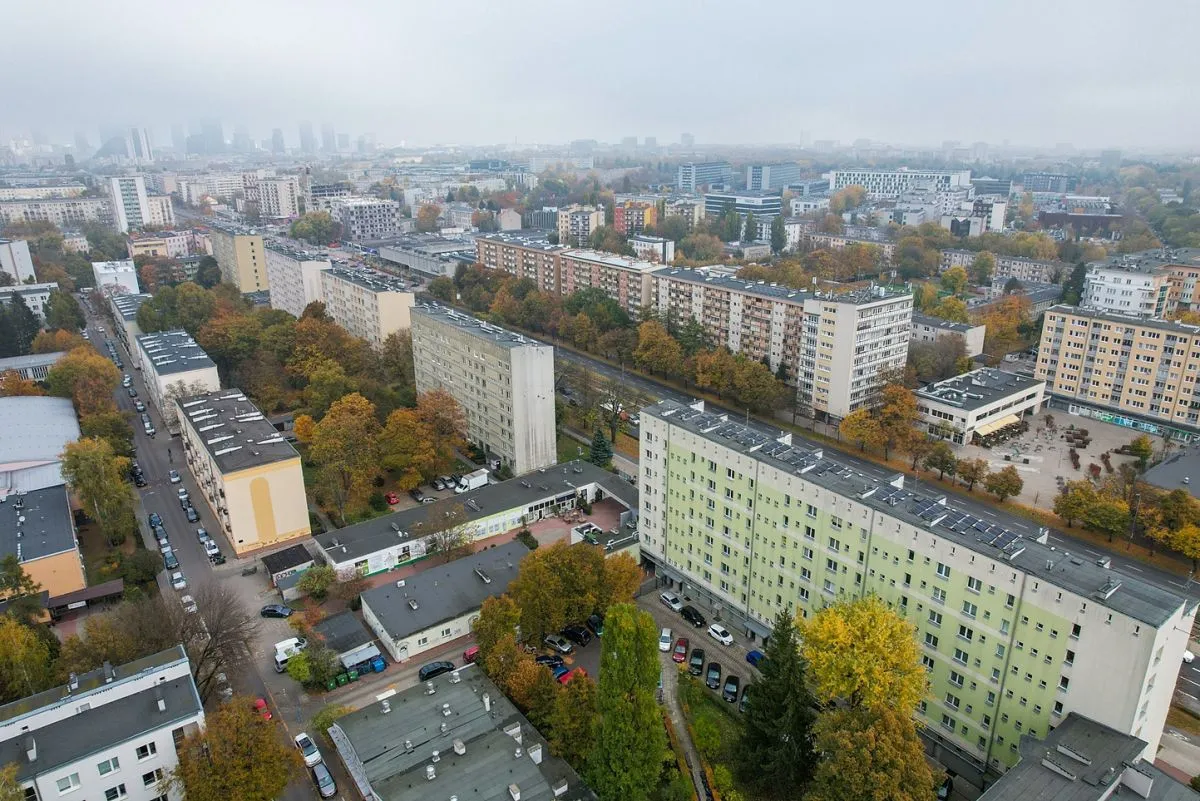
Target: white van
[{"x": 286, "y": 649}]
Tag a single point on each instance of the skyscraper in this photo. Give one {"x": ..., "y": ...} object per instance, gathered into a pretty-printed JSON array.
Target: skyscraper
[
  {"x": 343, "y": 142},
  {"x": 213, "y": 135},
  {"x": 307, "y": 143},
  {"x": 277, "y": 141},
  {"x": 139, "y": 145},
  {"x": 83, "y": 148},
  {"x": 328, "y": 139},
  {"x": 687, "y": 140}
]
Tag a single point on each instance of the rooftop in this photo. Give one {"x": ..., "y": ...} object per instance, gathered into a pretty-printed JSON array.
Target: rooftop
[
  {"x": 235, "y": 433},
  {"x": 1126, "y": 594},
  {"x": 525, "y": 239},
  {"x": 36, "y": 429},
  {"x": 613, "y": 260},
  {"x": 977, "y": 388},
  {"x": 36, "y": 524},
  {"x": 28, "y": 289},
  {"x": 370, "y": 279},
  {"x": 30, "y": 360},
  {"x": 297, "y": 253},
  {"x": 170, "y": 352},
  {"x": 128, "y": 305},
  {"x": 703, "y": 275},
  {"x": 361, "y": 539},
  {"x": 1170, "y": 474},
  {"x": 938, "y": 322},
  {"x": 122, "y": 266},
  {"x": 1170, "y": 326},
  {"x": 287, "y": 559},
  {"x": 475, "y": 327},
  {"x": 343, "y": 632},
  {"x": 485, "y": 749},
  {"x": 1149, "y": 261}
]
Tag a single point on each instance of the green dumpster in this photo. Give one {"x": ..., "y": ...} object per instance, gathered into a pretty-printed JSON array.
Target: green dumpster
[
  {"x": 342, "y": 679},
  {"x": 331, "y": 684},
  {"x": 353, "y": 674}
]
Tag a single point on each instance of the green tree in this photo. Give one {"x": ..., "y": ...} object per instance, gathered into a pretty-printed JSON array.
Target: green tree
[
  {"x": 10, "y": 788},
  {"x": 24, "y": 660},
  {"x": 972, "y": 471},
  {"x": 237, "y": 755},
  {"x": 775, "y": 749},
  {"x": 1143, "y": 449},
  {"x": 112, "y": 427},
  {"x": 345, "y": 445},
  {"x": 317, "y": 228},
  {"x": 208, "y": 272},
  {"x": 314, "y": 666},
  {"x": 1004, "y": 483},
  {"x": 701, "y": 247},
  {"x": 941, "y": 458},
  {"x": 1108, "y": 515},
  {"x": 97, "y": 476},
  {"x": 316, "y": 581},
  {"x": 778, "y": 234},
  {"x": 326, "y": 716},
  {"x": 19, "y": 590},
  {"x": 24, "y": 323},
  {"x": 140, "y": 567},
  {"x": 750, "y": 228},
  {"x": 630, "y": 744},
  {"x": 601, "y": 453},
  {"x": 572, "y": 721},
  {"x": 982, "y": 268},
  {"x": 62, "y": 312},
  {"x": 866, "y": 751},
  {"x": 954, "y": 280},
  {"x": 1074, "y": 501}
]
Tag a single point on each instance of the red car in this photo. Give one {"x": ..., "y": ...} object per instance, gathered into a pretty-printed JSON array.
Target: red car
[
  {"x": 260, "y": 706},
  {"x": 566, "y": 677},
  {"x": 392, "y": 498},
  {"x": 681, "y": 649}
]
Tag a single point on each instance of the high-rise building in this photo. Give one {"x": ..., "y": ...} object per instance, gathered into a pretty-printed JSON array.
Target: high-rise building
[
  {"x": 694, "y": 176},
  {"x": 366, "y": 219},
  {"x": 279, "y": 198},
  {"x": 160, "y": 211},
  {"x": 503, "y": 381},
  {"x": 888, "y": 184},
  {"x": 83, "y": 148},
  {"x": 343, "y": 142},
  {"x": 370, "y": 305},
  {"x": 131, "y": 210},
  {"x": 576, "y": 224},
  {"x": 651, "y": 142},
  {"x": 765, "y": 177},
  {"x": 308, "y": 143},
  {"x": 15, "y": 260},
  {"x": 213, "y": 136},
  {"x": 328, "y": 139},
  {"x": 294, "y": 277},
  {"x": 1015, "y": 634},
  {"x": 140, "y": 148},
  {"x": 277, "y": 141},
  {"x": 178, "y": 139},
  {"x": 239, "y": 253},
  {"x": 632, "y": 217},
  {"x": 241, "y": 139}
]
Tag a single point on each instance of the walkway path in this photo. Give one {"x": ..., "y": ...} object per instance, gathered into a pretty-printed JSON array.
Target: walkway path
[{"x": 670, "y": 683}]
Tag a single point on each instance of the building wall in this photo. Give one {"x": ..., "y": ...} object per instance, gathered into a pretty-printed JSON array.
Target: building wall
[
  {"x": 406, "y": 648},
  {"x": 294, "y": 282},
  {"x": 161, "y": 211},
  {"x": 41, "y": 192},
  {"x": 966, "y": 421},
  {"x": 972, "y": 338},
  {"x": 364, "y": 312},
  {"x": 279, "y": 198},
  {"x": 15, "y": 260},
  {"x": 241, "y": 259},
  {"x": 63, "y": 213},
  {"x": 130, "y": 209},
  {"x": 34, "y": 295},
  {"x": 576, "y": 224},
  {"x": 1127, "y": 291},
  {"x": 882, "y": 184},
  {"x": 58, "y": 573},
  {"x": 162, "y": 387},
  {"x": 122, "y": 279},
  {"x": 170, "y": 244},
  {"x": 626, "y": 281}
]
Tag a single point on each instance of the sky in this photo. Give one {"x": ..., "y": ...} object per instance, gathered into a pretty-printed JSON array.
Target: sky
[{"x": 1095, "y": 73}]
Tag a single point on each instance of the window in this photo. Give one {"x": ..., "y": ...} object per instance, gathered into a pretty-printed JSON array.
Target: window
[
  {"x": 68, "y": 783},
  {"x": 108, "y": 766},
  {"x": 970, "y": 609},
  {"x": 146, "y": 751},
  {"x": 974, "y": 584},
  {"x": 961, "y": 656},
  {"x": 952, "y": 701},
  {"x": 1058, "y": 707},
  {"x": 939, "y": 595},
  {"x": 810, "y": 510},
  {"x": 927, "y": 661},
  {"x": 966, "y": 633},
  {"x": 948, "y": 723},
  {"x": 935, "y": 618},
  {"x": 1063, "y": 682},
  {"x": 113, "y": 793},
  {"x": 991, "y": 701},
  {"x": 931, "y": 640},
  {"x": 1076, "y": 630},
  {"x": 956, "y": 678},
  {"x": 943, "y": 571},
  {"x": 152, "y": 778},
  {"x": 1070, "y": 658}
]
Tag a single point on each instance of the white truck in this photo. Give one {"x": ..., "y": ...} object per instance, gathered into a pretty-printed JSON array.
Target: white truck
[
  {"x": 286, "y": 649},
  {"x": 472, "y": 481}
]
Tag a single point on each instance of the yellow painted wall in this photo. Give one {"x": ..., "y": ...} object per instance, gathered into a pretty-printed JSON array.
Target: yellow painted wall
[{"x": 267, "y": 505}]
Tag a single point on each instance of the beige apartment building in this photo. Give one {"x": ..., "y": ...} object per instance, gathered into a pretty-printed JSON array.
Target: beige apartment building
[
  {"x": 576, "y": 224},
  {"x": 239, "y": 252},
  {"x": 247, "y": 472},
  {"x": 295, "y": 277},
  {"x": 1030, "y": 271},
  {"x": 503, "y": 381},
  {"x": 174, "y": 366},
  {"x": 524, "y": 257},
  {"x": 1133, "y": 371},
  {"x": 368, "y": 304},
  {"x": 625, "y": 280}
]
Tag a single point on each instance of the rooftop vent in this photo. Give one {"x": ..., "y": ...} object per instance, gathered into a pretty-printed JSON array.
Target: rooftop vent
[
  {"x": 430, "y": 773},
  {"x": 487, "y": 702},
  {"x": 31, "y": 748},
  {"x": 436, "y": 757},
  {"x": 535, "y": 753},
  {"x": 517, "y": 753},
  {"x": 445, "y": 710},
  {"x": 514, "y": 792},
  {"x": 429, "y": 688},
  {"x": 454, "y": 677},
  {"x": 385, "y": 707},
  {"x": 412, "y": 604},
  {"x": 484, "y": 577},
  {"x": 460, "y": 747}
]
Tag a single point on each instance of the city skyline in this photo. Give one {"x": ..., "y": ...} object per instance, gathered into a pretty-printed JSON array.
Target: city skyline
[{"x": 953, "y": 73}]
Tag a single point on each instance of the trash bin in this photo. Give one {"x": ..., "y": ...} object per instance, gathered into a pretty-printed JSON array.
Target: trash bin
[
  {"x": 342, "y": 678},
  {"x": 331, "y": 684},
  {"x": 353, "y": 675}
]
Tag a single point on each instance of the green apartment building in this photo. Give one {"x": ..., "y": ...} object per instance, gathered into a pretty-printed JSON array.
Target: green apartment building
[{"x": 1016, "y": 633}]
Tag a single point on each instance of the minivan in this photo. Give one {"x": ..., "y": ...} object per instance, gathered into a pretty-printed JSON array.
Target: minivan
[{"x": 324, "y": 780}]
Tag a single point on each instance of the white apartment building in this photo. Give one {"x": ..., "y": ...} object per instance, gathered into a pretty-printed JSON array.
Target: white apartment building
[
  {"x": 131, "y": 210},
  {"x": 1027, "y": 271},
  {"x": 503, "y": 382},
  {"x": 932, "y": 329},
  {"x": 222, "y": 186},
  {"x": 15, "y": 260},
  {"x": 111, "y": 733},
  {"x": 172, "y": 244},
  {"x": 117, "y": 277},
  {"x": 887, "y": 184},
  {"x": 279, "y": 198},
  {"x": 41, "y": 192},
  {"x": 979, "y": 402},
  {"x": 368, "y": 304},
  {"x": 1127, "y": 288},
  {"x": 174, "y": 366},
  {"x": 807, "y": 204},
  {"x": 653, "y": 248},
  {"x": 295, "y": 277},
  {"x": 34, "y": 295},
  {"x": 61, "y": 212},
  {"x": 367, "y": 219}
]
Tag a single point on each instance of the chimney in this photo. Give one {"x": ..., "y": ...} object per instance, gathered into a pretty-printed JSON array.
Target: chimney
[
  {"x": 514, "y": 792},
  {"x": 31, "y": 748},
  {"x": 460, "y": 747},
  {"x": 517, "y": 753},
  {"x": 535, "y": 753},
  {"x": 430, "y": 773},
  {"x": 487, "y": 702},
  {"x": 436, "y": 757}
]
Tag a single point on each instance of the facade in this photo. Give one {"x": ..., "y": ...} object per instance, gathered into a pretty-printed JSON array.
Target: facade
[
  {"x": 695, "y": 176},
  {"x": 576, "y": 224},
  {"x": 931, "y": 329},
  {"x": 75, "y": 242},
  {"x": 508, "y": 220},
  {"x": 239, "y": 253},
  {"x": 763, "y": 205},
  {"x": 432, "y": 254},
  {"x": 171, "y": 244},
  {"x": 295, "y": 277},
  {"x": 116, "y": 277},
  {"x": 887, "y": 184},
  {"x": 198, "y": 189},
  {"x": 41, "y": 192},
  {"x": 523, "y": 256},
  {"x": 1047, "y": 182},
  {"x": 367, "y": 219},
  {"x": 632, "y": 217},
  {"x": 131, "y": 210},
  {"x": 174, "y": 366},
  {"x": 124, "y": 309},
  {"x": 110, "y": 733},
  {"x": 161, "y": 211},
  {"x": 279, "y": 198},
  {"x": 1015, "y": 634},
  {"x": 34, "y": 295},
  {"x": 1133, "y": 371},
  {"x": 33, "y": 367},
  {"x": 16, "y": 261},
  {"x": 1024, "y": 270},
  {"x": 368, "y": 304},
  {"x": 992, "y": 186},
  {"x": 247, "y": 472},
  {"x": 808, "y": 204},
  {"x": 625, "y": 280},
  {"x": 653, "y": 248},
  {"x": 765, "y": 177},
  {"x": 1127, "y": 287},
  {"x": 979, "y": 402},
  {"x": 61, "y": 212},
  {"x": 503, "y": 382}
]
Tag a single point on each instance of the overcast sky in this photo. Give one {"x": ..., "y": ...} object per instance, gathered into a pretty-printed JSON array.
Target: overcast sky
[{"x": 1095, "y": 73}]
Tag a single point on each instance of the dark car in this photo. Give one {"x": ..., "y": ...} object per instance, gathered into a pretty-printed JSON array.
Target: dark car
[
  {"x": 155, "y": 520},
  {"x": 275, "y": 610},
  {"x": 712, "y": 678},
  {"x": 132, "y": 392},
  {"x": 192, "y": 514},
  {"x": 217, "y": 558},
  {"x": 756, "y": 659},
  {"x": 139, "y": 479},
  {"x": 696, "y": 662},
  {"x": 692, "y": 616},
  {"x": 730, "y": 691},
  {"x": 578, "y": 635},
  {"x": 595, "y": 624},
  {"x": 417, "y": 495},
  {"x": 323, "y": 779},
  {"x": 170, "y": 561},
  {"x": 427, "y": 672},
  {"x": 742, "y": 703},
  {"x": 549, "y": 660}
]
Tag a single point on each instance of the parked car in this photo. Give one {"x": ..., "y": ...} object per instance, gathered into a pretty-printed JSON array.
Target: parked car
[
  {"x": 169, "y": 560},
  {"x": 275, "y": 610},
  {"x": 438, "y": 484},
  {"x": 742, "y": 703},
  {"x": 692, "y": 616},
  {"x": 446, "y": 482},
  {"x": 132, "y": 392},
  {"x": 470, "y": 655},
  {"x": 141, "y": 407},
  {"x": 558, "y": 671},
  {"x": 756, "y": 658},
  {"x": 681, "y": 649},
  {"x": 321, "y": 777},
  {"x": 696, "y": 662},
  {"x": 578, "y": 635},
  {"x": 392, "y": 498},
  {"x": 664, "y": 640},
  {"x": 189, "y": 603},
  {"x": 1188, "y": 657},
  {"x": 174, "y": 476},
  {"x": 308, "y": 749},
  {"x": 217, "y": 558},
  {"x": 730, "y": 691},
  {"x": 566, "y": 677},
  {"x": 712, "y": 677},
  {"x": 184, "y": 497},
  {"x": 595, "y": 624},
  {"x": 211, "y": 550},
  {"x": 202, "y": 535},
  {"x": 260, "y": 706},
  {"x": 192, "y": 515},
  {"x": 178, "y": 581},
  {"x": 432, "y": 669},
  {"x": 549, "y": 660},
  {"x": 720, "y": 634},
  {"x": 139, "y": 479},
  {"x": 671, "y": 600},
  {"x": 154, "y": 519},
  {"x": 416, "y": 495},
  {"x": 558, "y": 643}
]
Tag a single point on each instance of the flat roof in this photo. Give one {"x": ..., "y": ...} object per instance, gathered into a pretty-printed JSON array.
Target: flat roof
[
  {"x": 444, "y": 592},
  {"x": 1170, "y": 473},
  {"x": 978, "y": 388},
  {"x": 370, "y": 536},
  {"x": 170, "y": 352},
  {"x": 289, "y": 558},
  {"x": 297, "y": 253},
  {"x": 525, "y": 239},
  {"x": 1170, "y": 326},
  {"x": 234, "y": 432},
  {"x": 28, "y": 289},
  {"x": 477, "y": 328},
  {"x": 1148, "y": 261},
  {"x": 370, "y": 279},
  {"x": 938, "y": 322},
  {"x": 36, "y": 428},
  {"x": 128, "y": 305},
  {"x": 1124, "y": 593},
  {"x": 343, "y": 632},
  {"x": 122, "y": 266},
  {"x": 612, "y": 260},
  {"x": 706, "y": 277},
  {"x": 30, "y": 360},
  {"x": 46, "y": 527},
  {"x": 473, "y": 728}
]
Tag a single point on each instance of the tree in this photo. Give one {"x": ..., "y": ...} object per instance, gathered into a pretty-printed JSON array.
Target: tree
[
  {"x": 407, "y": 445},
  {"x": 97, "y": 476},
  {"x": 1004, "y": 483},
  {"x": 447, "y": 533},
  {"x": 861, "y": 426},
  {"x": 427, "y": 218},
  {"x": 657, "y": 350},
  {"x": 12, "y": 385},
  {"x": 10, "y": 788},
  {"x": 444, "y": 419},
  {"x": 316, "y": 581},
  {"x": 863, "y": 653},
  {"x": 1143, "y": 449},
  {"x": 917, "y": 445},
  {"x": 625, "y": 763},
  {"x": 326, "y": 716},
  {"x": 1186, "y": 542},
  {"x": 19, "y": 590},
  {"x": 775, "y": 749},
  {"x": 1074, "y": 501},
  {"x": 57, "y": 341},
  {"x": 237, "y": 755},
  {"x": 140, "y": 567},
  {"x": 954, "y": 280},
  {"x": 24, "y": 660},
  {"x": 345, "y": 445},
  {"x": 112, "y": 427},
  {"x": 303, "y": 426},
  {"x": 1108, "y": 515},
  {"x": 897, "y": 415},
  {"x": 317, "y": 228},
  {"x": 972, "y": 471},
  {"x": 498, "y": 618},
  {"x": 701, "y": 247},
  {"x": 952, "y": 309},
  {"x": 208, "y": 272},
  {"x": 62, "y": 312},
  {"x": 750, "y": 230},
  {"x": 982, "y": 268},
  {"x": 1178, "y": 509},
  {"x": 87, "y": 378},
  {"x": 24, "y": 324},
  {"x": 539, "y": 594},
  {"x": 601, "y": 453},
  {"x": 572, "y": 721},
  {"x": 778, "y": 234},
  {"x": 941, "y": 458},
  {"x": 619, "y": 581},
  {"x": 314, "y": 666},
  {"x": 870, "y": 754}
]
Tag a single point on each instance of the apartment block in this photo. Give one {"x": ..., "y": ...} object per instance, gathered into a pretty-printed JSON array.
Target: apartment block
[
  {"x": 1133, "y": 371},
  {"x": 522, "y": 256},
  {"x": 116, "y": 277},
  {"x": 690, "y": 209},
  {"x": 174, "y": 366},
  {"x": 160, "y": 211},
  {"x": 109, "y": 733},
  {"x": 278, "y": 198},
  {"x": 576, "y": 224},
  {"x": 1128, "y": 286},
  {"x": 763, "y": 205},
  {"x": 503, "y": 381},
  {"x": 653, "y": 248},
  {"x": 368, "y": 304},
  {"x": 695, "y": 176},
  {"x": 632, "y": 217},
  {"x": 130, "y": 208},
  {"x": 239, "y": 253},
  {"x": 625, "y": 280},
  {"x": 979, "y": 403},
  {"x": 247, "y": 472},
  {"x": 1024, "y": 270},
  {"x": 34, "y": 295},
  {"x": 15, "y": 260},
  {"x": 1015, "y": 634},
  {"x": 41, "y": 192},
  {"x": 61, "y": 212},
  {"x": 816, "y": 239},
  {"x": 887, "y": 184},
  {"x": 932, "y": 329},
  {"x": 367, "y": 219},
  {"x": 171, "y": 244},
  {"x": 295, "y": 277},
  {"x": 198, "y": 189},
  {"x": 765, "y": 177},
  {"x": 809, "y": 204}
]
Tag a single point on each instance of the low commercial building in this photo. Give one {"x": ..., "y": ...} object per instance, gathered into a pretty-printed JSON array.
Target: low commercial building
[
  {"x": 239, "y": 254},
  {"x": 60, "y": 212},
  {"x": 37, "y": 527},
  {"x": 932, "y": 329},
  {"x": 290, "y": 561},
  {"x": 247, "y": 472},
  {"x": 504, "y": 383},
  {"x": 431, "y": 254},
  {"x": 980, "y": 402},
  {"x": 385, "y": 543},
  {"x": 35, "y": 296},
  {"x": 36, "y": 431},
  {"x": 116, "y": 277},
  {"x": 295, "y": 277},
  {"x": 348, "y": 638},
  {"x": 370, "y": 305},
  {"x": 16, "y": 261},
  {"x": 110, "y": 733},
  {"x": 174, "y": 366},
  {"x": 439, "y": 604},
  {"x": 456, "y": 736},
  {"x": 33, "y": 367}
]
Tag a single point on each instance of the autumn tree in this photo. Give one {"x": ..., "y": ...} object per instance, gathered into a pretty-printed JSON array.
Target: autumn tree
[
  {"x": 10, "y": 788},
  {"x": 1186, "y": 542},
  {"x": 427, "y": 218},
  {"x": 408, "y": 447},
  {"x": 12, "y": 385},
  {"x": 860, "y": 426},
  {"x": 499, "y": 617},
  {"x": 238, "y": 754},
  {"x": 1107, "y": 515},
  {"x": 701, "y": 247},
  {"x": 24, "y": 660},
  {"x": 1004, "y": 483},
  {"x": 952, "y": 309},
  {"x": 1074, "y": 500},
  {"x": 19, "y": 590},
  {"x": 867, "y": 750},
  {"x": 97, "y": 476},
  {"x": 572, "y": 721},
  {"x": 954, "y": 280},
  {"x": 657, "y": 351},
  {"x": 345, "y": 445},
  {"x": 941, "y": 458},
  {"x": 982, "y": 268},
  {"x": 447, "y": 533},
  {"x": 316, "y": 581},
  {"x": 897, "y": 414},
  {"x": 630, "y": 741},
  {"x": 972, "y": 471},
  {"x": 316, "y": 228},
  {"x": 863, "y": 653},
  {"x": 1142, "y": 448},
  {"x": 444, "y": 419},
  {"x": 60, "y": 341},
  {"x": 87, "y": 378}
]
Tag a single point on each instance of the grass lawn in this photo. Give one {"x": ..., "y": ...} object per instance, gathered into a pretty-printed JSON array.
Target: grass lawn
[
  {"x": 100, "y": 561},
  {"x": 1183, "y": 720},
  {"x": 626, "y": 445},
  {"x": 569, "y": 448},
  {"x": 714, "y": 724}
]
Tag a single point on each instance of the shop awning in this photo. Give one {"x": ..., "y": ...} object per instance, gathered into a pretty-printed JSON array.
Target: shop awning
[{"x": 996, "y": 425}]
